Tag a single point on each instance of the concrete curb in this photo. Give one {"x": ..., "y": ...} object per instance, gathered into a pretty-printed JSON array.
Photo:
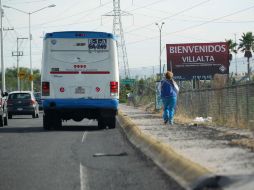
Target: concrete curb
[{"x": 188, "y": 174}]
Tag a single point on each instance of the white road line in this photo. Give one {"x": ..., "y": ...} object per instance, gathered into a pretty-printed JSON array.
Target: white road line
[
  {"x": 82, "y": 169},
  {"x": 83, "y": 178},
  {"x": 84, "y": 137}
]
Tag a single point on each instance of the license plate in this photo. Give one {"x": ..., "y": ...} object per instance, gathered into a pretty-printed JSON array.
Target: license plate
[
  {"x": 79, "y": 90},
  {"x": 20, "y": 109}
]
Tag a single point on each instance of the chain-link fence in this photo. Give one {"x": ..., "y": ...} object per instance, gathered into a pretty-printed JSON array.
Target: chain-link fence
[
  {"x": 232, "y": 105},
  {"x": 144, "y": 94}
]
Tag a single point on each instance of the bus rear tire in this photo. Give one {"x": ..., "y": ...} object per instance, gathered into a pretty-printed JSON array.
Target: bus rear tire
[
  {"x": 101, "y": 123},
  {"x": 51, "y": 121},
  {"x": 112, "y": 122},
  {"x": 46, "y": 122},
  {"x": 57, "y": 122}
]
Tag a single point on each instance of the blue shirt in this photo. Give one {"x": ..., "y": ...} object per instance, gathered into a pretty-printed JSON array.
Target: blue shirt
[{"x": 167, "y": 89}]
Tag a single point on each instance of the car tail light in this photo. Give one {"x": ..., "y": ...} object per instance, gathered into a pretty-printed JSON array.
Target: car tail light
[
  {"x": 45, "y": 89},
  {"x": 9, "y": 102},
  {"x": 113, "y": 88}
]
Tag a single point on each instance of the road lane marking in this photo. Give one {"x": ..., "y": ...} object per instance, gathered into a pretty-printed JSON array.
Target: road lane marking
[
  {"x": 84, "y": 137},
  {"x": 83, "y": 178}
]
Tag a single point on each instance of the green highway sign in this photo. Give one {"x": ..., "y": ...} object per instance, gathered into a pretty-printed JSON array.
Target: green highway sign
[{"x": 127, "y": 81}]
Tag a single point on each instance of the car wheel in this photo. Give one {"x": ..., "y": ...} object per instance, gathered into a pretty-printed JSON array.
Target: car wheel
[
  {"x": 9, "y": 116},
  {"x": 34, "y": 114},
  {"x": 5, "y": 120},
  {"x": 1, "y": 121}
]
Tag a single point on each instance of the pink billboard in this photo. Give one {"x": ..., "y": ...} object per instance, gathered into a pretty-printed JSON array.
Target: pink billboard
[{"x": 198, "y": 60}]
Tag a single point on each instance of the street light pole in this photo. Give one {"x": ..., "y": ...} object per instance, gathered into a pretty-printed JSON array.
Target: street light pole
[
  {"x": 2, "y": 49},
  {"x": 30, "y": 35},
  {"x": 160, "y": 28},
  {"x": 30, "y": 51},
  {"x": 18, "y": 54}
]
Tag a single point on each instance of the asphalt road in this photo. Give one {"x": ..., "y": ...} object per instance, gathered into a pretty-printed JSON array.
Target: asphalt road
[{"x": 77, "y": 157}]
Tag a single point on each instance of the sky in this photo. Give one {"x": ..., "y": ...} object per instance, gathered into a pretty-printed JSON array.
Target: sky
[{"x": 192, "y": 21}]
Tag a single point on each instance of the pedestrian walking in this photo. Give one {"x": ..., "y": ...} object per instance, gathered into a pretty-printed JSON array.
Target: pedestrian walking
[
  {"x": 169, "y": 91},
  {"x": 130, "y": 98}
]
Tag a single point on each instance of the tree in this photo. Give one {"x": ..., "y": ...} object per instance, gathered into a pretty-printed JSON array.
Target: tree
[
  {"x": 247, "y": 45},
  {"x": 11, "y": 79},
  {"x": 232, "y": 48},
  {"x": 37, "y": 80}
]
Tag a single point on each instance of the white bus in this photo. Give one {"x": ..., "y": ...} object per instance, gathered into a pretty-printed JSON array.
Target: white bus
[{"x": 80, "y": 78}]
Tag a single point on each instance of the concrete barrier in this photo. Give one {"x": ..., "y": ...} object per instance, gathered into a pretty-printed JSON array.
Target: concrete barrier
[{"x": 187, "y": 173}]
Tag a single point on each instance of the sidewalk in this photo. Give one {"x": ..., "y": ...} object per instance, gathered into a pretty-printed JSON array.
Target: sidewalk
[{"x": 218, "y": 150}]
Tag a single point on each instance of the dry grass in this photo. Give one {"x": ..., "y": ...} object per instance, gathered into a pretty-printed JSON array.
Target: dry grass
[
  {"x": 183, "y": 119},
  {"x": 230, "y": 122},
  {"x": 219, "y": 81},
  {"x": 246, "y": 142}
]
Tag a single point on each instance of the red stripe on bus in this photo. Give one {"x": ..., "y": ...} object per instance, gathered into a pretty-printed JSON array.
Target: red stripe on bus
[
  {"x": 77, "y": 72},
  {"x": 95, "y": 72},
  {"x": 64, "y": 72}
]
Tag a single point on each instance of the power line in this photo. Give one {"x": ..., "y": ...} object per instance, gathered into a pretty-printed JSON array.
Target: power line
[
  {"x": 75, "y": 3},
  {"x": 168, "y": 17},
  {"x": 195, "y": 26},
  {"x": 79, "y": 13},
  {"x": 27, "y": 2},
  {"x": 210, "y": 21},
  {"x": 87, "y": 13}
]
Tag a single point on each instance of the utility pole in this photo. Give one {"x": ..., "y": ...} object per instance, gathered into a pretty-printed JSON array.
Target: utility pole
[
  {"x": 2, "y": 49},
  {"x": 160, "y": 29},
  {"x": 18, "y": 54},
  {"x": 235, "y": 57},
  {"x": 118, "y": 31}
]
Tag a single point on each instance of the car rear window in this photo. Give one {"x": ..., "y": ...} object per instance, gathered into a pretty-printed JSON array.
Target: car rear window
[{"x": 23, "y": 96}]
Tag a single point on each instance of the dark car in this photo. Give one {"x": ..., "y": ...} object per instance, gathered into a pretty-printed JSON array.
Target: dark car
[
  {"x": 3, "y": 109},
  {"x": 37, "y": 96},
  {"x": 22, "y": 103}
]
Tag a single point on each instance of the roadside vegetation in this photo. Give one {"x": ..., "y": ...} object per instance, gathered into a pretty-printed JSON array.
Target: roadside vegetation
[{"x": 11, "y": 78}]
